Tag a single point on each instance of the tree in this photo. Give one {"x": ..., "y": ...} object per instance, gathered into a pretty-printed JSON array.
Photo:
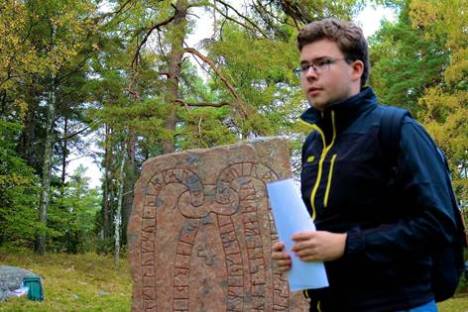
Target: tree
[
  {"x": 62, "y": 28},
  {"x": 44, "y": 51},
  {"x": 445, "y": 111},
  {"x": 249, "y": 90},
  {"x": 128, "y": 75},
  {"x": 72, "y": 215},
  {"x": 419, "y": 62},
  {"x": 19, "y": 190},
  {"x": 18, "y": 184},
  {"x": 18, "y": 59},
  {"x": 405, "y": 62}
]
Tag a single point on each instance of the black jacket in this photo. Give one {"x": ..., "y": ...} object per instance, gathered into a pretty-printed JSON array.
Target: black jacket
[{"x": 393, "y": 220}]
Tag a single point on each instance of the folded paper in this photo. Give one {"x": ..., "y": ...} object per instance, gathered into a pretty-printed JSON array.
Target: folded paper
[{"x": 291, "y": 216}]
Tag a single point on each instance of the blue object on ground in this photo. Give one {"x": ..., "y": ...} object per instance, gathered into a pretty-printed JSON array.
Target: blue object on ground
[{"x": 35, "y": 288}]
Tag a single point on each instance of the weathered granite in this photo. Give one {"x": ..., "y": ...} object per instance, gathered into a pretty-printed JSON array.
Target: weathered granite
[{"x": 201, "y": 231}]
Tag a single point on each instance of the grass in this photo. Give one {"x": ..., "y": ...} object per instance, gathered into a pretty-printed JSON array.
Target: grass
[
  {"x": 457, "y": 304},
  {"x": 86, "y": 282},
  {"x": 92, "y": 283}
]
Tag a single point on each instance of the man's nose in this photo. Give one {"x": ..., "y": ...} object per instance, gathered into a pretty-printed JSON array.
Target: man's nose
[{"x": 310, "y": 73}]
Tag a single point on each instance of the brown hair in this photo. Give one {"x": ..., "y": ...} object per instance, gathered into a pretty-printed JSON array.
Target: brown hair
[{"x": 348, "y": 36}]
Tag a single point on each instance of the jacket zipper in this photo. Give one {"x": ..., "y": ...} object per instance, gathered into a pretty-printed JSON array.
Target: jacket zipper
[
  {"x": 330, "y": 174},
  {"x": 323, "y": 155}
]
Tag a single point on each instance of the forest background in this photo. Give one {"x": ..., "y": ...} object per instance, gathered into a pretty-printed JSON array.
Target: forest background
[{"x": 120, "y": 75}]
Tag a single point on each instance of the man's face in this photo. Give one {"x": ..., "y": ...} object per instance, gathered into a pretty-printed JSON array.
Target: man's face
[{"x": 332, "y": 79}]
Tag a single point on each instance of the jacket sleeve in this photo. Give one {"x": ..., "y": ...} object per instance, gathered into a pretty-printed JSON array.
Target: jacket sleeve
[{"x": 424, "y": 180}]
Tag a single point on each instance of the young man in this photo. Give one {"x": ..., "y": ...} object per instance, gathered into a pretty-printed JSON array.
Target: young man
[{"x": 375, "y": 228}]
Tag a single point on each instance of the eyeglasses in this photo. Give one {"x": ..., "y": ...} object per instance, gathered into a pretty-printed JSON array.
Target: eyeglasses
[{"x": 319, "y": 66}]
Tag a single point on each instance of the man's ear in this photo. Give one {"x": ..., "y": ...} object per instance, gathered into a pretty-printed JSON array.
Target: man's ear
[{"x": 358, "y": 70}]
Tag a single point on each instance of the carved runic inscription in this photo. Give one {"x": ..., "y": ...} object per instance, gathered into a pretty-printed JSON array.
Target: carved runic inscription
[{"x": 201, "y": 231}]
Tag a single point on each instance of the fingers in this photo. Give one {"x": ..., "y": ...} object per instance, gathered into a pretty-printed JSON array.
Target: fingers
[
  {"x": 319, "y": 245},
  {"x": 280, "y": 255},
  {"x": 283, "y": 266},
  {"x": 301, "y": 245},
  {"x": 278, "y": 252},
  {"x": 307, "y": 253},
  {"x": 305, "y": 246},
  {"x": 299, "y": 236},
  {"x": 302, "y": 236},
  {"x": 278, "y": 246},
  {"x": 281, "y": 259},
  {"x": 311, "y": 257}
]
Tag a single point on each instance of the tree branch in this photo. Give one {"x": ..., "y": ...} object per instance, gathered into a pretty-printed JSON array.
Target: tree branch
[
  {"x": 8, "y": 77},
  {"x": 227, "y": 5},
  {"x": 150, "y": 31},
  {"x": 269, "y": 17},
  {"x": 202, "y": 104},
  {"x": 227, "y": 17},
  {"x": 232, "y": 90},
  {"x": 296, "y": 11},
  {"x": 72, "y": 134},
  {"x": 121, "y": 8}
]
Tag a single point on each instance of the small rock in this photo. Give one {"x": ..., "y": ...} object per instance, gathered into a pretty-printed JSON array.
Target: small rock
[{"x": 103, "y": 293}]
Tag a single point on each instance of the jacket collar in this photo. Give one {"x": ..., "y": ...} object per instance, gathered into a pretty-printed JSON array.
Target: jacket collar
[{"x": 345, "y": 110}]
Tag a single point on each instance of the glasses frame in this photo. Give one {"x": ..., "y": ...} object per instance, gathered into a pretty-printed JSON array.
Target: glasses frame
[{"x": 319, "y": 65}]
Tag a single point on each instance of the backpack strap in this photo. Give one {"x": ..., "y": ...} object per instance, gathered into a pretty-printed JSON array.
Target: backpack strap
[{"x": 390, "y": 131}]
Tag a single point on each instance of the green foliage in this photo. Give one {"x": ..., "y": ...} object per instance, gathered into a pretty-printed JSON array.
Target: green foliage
[
  {"x": 203, "y": 128},
  {"x": 405, "y": 62},
  {"x": 18, "y": 191},
  {"x": 262, "y": 73},
  {"x": 18, "y": 59},
  {"x": 446, "y": 110},
  {"x": 72, "y": 215},
  {"x": 135, "y": 105}
]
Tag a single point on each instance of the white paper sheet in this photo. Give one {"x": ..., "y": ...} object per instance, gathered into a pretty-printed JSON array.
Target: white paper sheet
[{"x": 291, "y": 216}]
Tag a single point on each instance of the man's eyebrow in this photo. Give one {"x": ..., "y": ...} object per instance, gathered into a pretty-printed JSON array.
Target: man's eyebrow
[{"x": 320, "y": 58}]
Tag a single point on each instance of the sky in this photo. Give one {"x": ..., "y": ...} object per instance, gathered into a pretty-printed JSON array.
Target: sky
[{"x": 369, "y": 19}]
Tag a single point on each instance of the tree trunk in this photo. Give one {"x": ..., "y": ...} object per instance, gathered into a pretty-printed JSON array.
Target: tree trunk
[
  {"x": 46, "y": 166},
  {"x": 131, "y": 173},
  {"x": 64, "y": 152},
  {"x": 179, "y": 31},
  {"x": 118, "y": 216},
  {"x": 107, "y": 211},
  {"x": 3, "y": 109},
  {"x": 25, "y": 146}
]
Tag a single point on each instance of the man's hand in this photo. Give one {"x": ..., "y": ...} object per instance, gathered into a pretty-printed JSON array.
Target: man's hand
[
  {"x": 280, "y": 257},
  {"x": 319, "y": 245}
]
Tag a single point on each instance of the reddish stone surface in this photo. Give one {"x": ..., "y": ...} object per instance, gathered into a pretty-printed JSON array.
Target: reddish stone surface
[{"x": 201, "y": 231}]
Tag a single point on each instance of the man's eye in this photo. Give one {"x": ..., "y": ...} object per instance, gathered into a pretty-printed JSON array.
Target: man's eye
[
  {"x": 323, "y": 62},
  {"x": 305, "y": 67}
]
